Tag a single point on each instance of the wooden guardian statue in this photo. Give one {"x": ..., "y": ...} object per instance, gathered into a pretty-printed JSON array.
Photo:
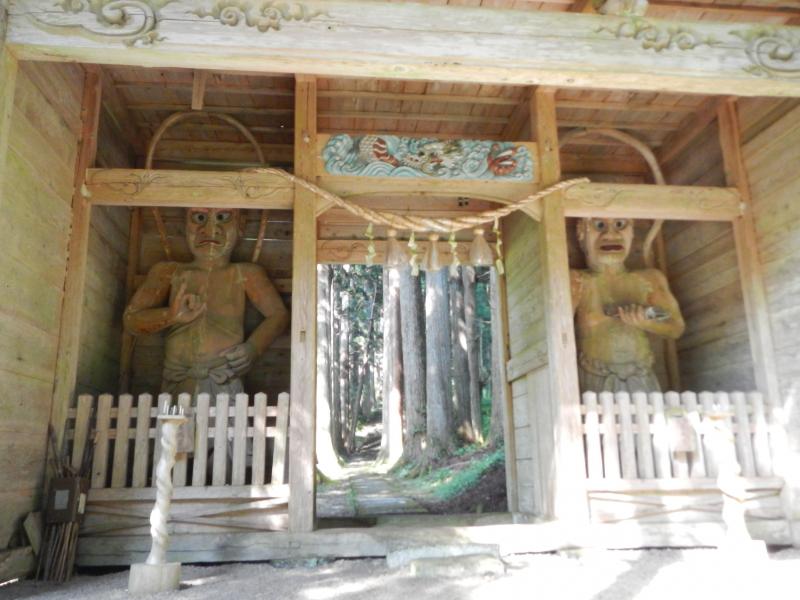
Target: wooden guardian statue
[
  {"x": 202, "y": 305},
  {"x": 616, "y": 308}
]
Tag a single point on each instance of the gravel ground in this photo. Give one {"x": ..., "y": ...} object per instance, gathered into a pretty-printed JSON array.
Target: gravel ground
[{"x": 596, "y": 575}]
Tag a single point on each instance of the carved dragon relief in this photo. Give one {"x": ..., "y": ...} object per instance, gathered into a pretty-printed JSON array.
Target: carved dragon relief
[
  {"x": 135, "y": 22},
  {"x": 773, "y": 51}
]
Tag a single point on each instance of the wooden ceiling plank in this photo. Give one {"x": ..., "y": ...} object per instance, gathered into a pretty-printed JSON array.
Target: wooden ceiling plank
[{"x": 687, "y": 132}]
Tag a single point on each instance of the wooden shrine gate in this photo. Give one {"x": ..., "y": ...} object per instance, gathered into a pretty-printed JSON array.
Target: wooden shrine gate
[
  {"x": 236, "y": 479},
  {"x": 635, "y": 471}
]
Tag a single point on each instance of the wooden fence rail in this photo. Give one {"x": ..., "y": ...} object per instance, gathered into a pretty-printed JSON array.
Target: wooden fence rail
[{"x": 235, "y": 478}]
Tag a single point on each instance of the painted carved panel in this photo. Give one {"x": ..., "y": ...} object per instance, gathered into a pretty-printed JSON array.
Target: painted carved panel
[{"x": 394, "y": 156}]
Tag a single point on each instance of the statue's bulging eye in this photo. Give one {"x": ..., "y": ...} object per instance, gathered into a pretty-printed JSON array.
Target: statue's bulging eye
[
  {"x": 599, "y": 225},
  {"x": 224, "y": 217},
  {"x": 620, "y": 224},
  {"x": 199, "y": 218}
]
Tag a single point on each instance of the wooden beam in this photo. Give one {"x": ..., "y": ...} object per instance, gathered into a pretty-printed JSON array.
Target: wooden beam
[
  {"x": 645, "y": 107},
  {"x": 8, "y": 81},
  {"x": 66, "y": 370},
  {"x": 412, "y": 116},
  {"x": 762, "y": 347},
  {"x": 404, "y": 40},
  {"x": 199, "y": 80},
  {"x": 302, "y": 435},
  {"x": 406, "y": 97},
  {"x": 354, "y": 252},
  {"x": 140, "y": 187},
  {"x": 231, "y": 110},
  {"x": 565, "y": 494},
  {"x": 687, "y": 203},
  {"x": 725, "y": 10}
]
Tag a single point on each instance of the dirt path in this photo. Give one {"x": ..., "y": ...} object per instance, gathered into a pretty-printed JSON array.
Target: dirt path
[{"x": 364, "y": 492}]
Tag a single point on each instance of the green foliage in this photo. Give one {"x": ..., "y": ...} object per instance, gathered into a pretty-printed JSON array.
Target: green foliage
[{"x": 448, "y": 482}]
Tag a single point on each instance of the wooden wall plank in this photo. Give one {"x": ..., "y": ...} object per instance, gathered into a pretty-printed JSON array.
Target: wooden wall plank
[{"x": 35, "y": 192}]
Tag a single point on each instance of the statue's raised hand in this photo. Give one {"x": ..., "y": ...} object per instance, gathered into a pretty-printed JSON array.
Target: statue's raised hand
[{"x": 185, "y": 308}]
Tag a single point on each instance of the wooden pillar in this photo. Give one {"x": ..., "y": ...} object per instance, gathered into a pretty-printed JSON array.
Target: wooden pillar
[
  {"x": 304, "y": 314},
  {"x": 755, "y": 299},
  {"x": 565, "y": 493},
  {"x": 78, "y": 250},
  {"x": 132, "y": 270},
  {"x": 8, "y": 80},
  {"x": 500, "y": 317}
]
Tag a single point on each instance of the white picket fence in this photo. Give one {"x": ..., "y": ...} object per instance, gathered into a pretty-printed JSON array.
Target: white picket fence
[
  {"x": 235, "y": 479},
  {"x": 656, "y": 456},
  {"x": 635, "y": 436}
]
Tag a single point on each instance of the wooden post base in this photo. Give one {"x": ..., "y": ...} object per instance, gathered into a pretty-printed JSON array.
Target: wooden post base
[{"x": 150, "y": 579}]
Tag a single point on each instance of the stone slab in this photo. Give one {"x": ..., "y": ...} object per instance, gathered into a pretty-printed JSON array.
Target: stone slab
[{"x": 151, "y": 579}]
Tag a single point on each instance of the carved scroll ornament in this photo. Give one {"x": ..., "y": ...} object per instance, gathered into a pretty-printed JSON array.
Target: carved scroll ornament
[
  {"x": 135, "y": 22},
  {"x": 772, "y": 51}
]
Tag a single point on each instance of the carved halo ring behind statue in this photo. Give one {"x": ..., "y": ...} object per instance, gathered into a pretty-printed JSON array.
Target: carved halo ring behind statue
[
  {"x": 652, "y": 162},
  {"x": 151, "y": 149}
]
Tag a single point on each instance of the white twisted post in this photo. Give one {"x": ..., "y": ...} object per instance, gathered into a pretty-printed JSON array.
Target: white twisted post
[
  {"x": 155, "y": 574},
  {"x": 160, "y": 513}
]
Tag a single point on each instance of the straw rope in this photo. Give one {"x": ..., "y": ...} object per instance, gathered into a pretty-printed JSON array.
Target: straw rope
[{"x": 423, "y": 224}]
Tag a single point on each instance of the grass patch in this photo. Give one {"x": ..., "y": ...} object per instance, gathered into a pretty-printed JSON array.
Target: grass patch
[{"x": 450, "y": 481}]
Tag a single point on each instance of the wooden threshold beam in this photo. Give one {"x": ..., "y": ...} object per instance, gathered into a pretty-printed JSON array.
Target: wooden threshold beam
[{"x": 393, "y": 40}]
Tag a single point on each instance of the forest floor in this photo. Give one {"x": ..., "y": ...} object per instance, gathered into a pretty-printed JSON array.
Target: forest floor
[
  {"x": 471, "y": 480},
  {"x": 598, "y": 575}
]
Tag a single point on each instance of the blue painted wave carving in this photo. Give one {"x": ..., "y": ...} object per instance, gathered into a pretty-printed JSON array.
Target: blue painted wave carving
[{"x": 394, "y": 156}]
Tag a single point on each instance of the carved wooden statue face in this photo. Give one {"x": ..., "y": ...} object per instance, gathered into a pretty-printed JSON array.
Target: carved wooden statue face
[
  {"x": 212, "y": 233},
  {"x": 605, "y": 242}
]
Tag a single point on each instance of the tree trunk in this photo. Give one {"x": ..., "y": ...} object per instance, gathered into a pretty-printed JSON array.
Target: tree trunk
[
  {"x": 458, "y": 343},
  {"x": 344, "y": 370},
  {"x": 327, "y": 461},
  {"x": 412, "y": 323},
  {"x": 392, "y": 439},
  {"x": 473, "y": 352},
  {"x": 336, "y": 390},
  {"x": 498, "y": 404},
  {"x": 352, "y": 398},
  {"x": 437, "y": 362}
]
